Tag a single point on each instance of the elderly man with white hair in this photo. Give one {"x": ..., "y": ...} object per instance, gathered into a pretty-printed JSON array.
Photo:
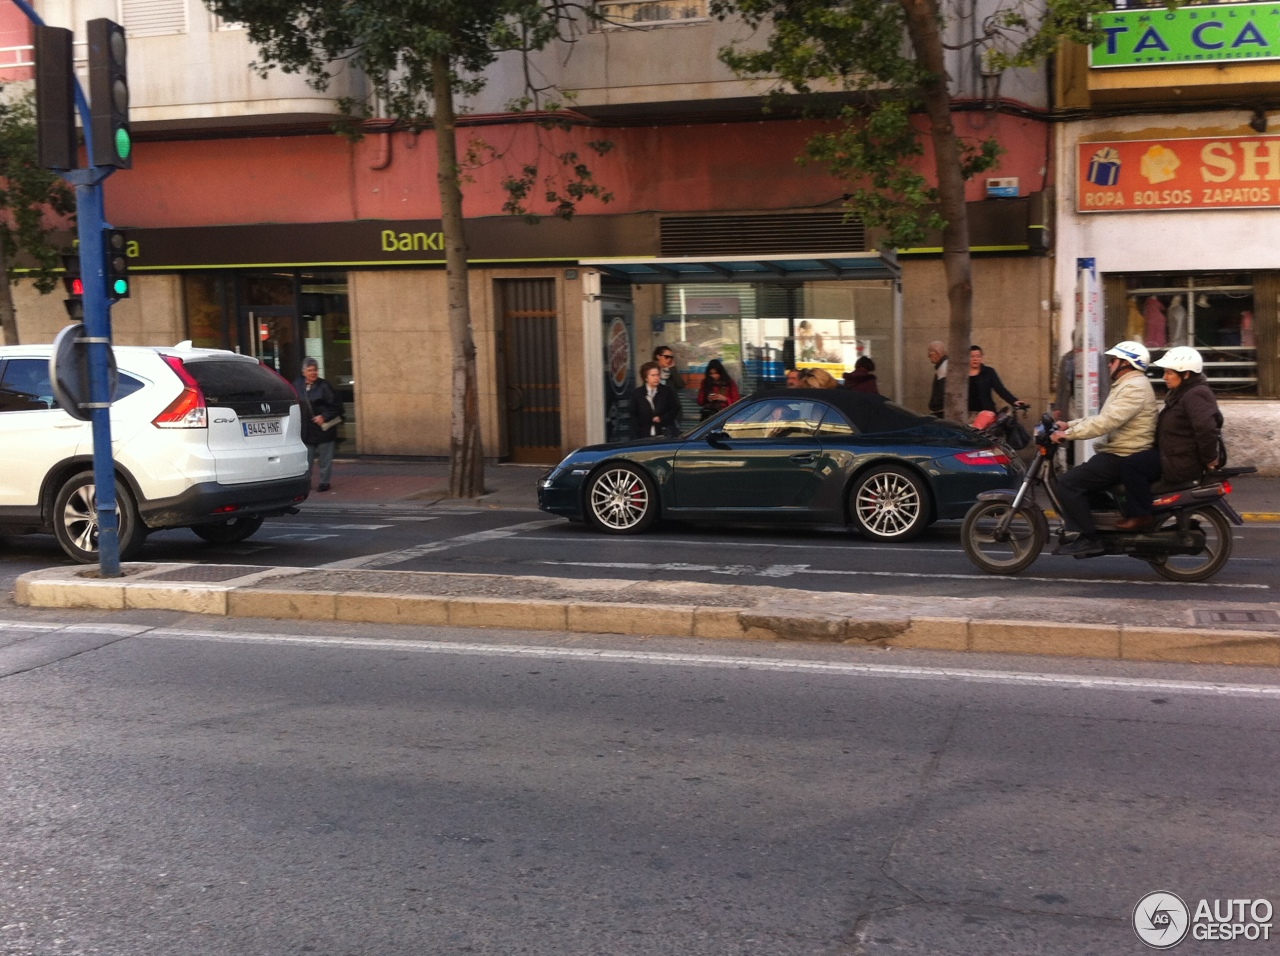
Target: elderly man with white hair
[{"x": 938, "y": 394}]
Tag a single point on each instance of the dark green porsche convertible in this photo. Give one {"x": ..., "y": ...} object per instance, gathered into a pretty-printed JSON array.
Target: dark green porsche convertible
[{"x": 810, "y": 456}]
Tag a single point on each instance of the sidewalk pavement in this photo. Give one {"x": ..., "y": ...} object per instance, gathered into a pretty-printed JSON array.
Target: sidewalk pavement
[
  {"x": 417, "y": 482},
  {"x": 1200, "y": 630}
]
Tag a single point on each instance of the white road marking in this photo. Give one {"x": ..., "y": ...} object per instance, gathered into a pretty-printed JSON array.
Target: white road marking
[
  {"x": 320, "y": 526},
  {"x": 872, "y": 547},
  {"x": 737, "y": 569},
  {"x": 707, "y": 542},
  {"x": 836, "y": 668},
  {"x": 408, "y": 554},
  {"x": 300, "y": 536}
]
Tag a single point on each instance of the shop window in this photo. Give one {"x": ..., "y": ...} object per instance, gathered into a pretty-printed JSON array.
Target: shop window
[
  {"x": 205, "y": 298},
  {"x": 1213, "y": 312}
]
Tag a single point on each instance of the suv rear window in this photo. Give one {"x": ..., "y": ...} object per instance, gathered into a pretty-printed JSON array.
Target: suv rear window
[{"x": 231, "y": 382}]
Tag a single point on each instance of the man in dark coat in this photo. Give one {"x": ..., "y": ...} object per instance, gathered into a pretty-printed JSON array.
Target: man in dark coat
[
  {"x": 321, "y": 416},
  {"x": 655, "y": 409}
]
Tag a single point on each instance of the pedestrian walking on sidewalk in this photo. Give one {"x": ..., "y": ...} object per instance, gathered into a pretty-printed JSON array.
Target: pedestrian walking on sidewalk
[{"x": 321, "y": 416}]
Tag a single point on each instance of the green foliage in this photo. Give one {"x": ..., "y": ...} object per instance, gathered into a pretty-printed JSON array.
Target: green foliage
[
  {"x": 28, "y": 193},
  {"x": 396, "y": 44},
  {"x": 862, "y": 49}
]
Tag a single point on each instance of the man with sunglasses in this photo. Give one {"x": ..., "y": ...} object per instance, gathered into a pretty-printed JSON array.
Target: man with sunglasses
[{"x": 671, "y": 378}]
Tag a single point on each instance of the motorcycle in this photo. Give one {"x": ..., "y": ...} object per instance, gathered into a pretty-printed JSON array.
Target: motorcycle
[{"x": 1005, "y": 531}]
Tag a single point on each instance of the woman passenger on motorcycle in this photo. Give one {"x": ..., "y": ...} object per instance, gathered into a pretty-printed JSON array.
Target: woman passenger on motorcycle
[{"x": 1187, "y": 434}]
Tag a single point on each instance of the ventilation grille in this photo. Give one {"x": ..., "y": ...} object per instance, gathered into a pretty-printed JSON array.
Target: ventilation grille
[
  {"x": 153, "y": 18},
  {"x": 796, "y": 234}
]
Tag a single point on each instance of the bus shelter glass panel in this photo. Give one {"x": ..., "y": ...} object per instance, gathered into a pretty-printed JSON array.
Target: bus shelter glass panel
[{"x": 696, "y": 340}]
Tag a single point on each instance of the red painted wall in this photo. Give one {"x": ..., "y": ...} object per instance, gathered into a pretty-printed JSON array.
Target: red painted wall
[
  {"x": 15, "y": 30},
  {"x": 324, "y": 178}
]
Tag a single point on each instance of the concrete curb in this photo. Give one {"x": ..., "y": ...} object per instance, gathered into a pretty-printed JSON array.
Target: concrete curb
[{"x": 255, "y": 595}]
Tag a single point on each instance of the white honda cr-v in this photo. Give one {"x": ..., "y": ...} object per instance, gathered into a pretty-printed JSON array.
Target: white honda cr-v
[{"x": 202, "y": 439}]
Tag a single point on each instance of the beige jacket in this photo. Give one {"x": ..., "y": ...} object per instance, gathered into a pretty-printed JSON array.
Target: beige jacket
[{"x": 1127, "y": 419}]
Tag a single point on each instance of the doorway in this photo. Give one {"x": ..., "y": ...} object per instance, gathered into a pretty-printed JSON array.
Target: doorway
[
  {"x": 269, "y": 315},
  {"x": 532, "y": 368}
]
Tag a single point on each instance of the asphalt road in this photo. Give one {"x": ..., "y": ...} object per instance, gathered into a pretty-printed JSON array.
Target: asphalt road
[
  {"x": 178, "y": 785},
  {"x": 447, "y": 538}
]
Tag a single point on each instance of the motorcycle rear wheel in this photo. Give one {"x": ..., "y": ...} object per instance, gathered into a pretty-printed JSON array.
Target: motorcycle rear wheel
[
  {"x": 1202, "y": 566},
  {"x": 1027, "y": 534}
]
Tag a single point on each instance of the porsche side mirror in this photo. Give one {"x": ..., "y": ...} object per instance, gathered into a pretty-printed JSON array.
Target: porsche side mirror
[{"x": 717, "y": 437}]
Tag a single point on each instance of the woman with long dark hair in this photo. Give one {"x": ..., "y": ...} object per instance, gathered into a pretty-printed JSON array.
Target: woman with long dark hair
[{"x": 718, "y": 391}]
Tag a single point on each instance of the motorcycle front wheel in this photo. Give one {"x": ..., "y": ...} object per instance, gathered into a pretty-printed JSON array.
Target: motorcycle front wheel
[
  {"x": 1217, "y": 548},
  {"x": 1008, "y": 552}
]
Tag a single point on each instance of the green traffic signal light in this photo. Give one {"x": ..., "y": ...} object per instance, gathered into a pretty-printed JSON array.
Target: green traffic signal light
[
  {"x": 120, "y": 287},
  {"x": 123, "y": 144}
]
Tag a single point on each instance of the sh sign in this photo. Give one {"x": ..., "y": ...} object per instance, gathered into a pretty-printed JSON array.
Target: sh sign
[{"x": 1221, "y": 172}]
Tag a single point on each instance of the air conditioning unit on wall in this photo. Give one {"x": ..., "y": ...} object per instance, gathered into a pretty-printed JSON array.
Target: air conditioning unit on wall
[{"x": 1003, "y": 188}]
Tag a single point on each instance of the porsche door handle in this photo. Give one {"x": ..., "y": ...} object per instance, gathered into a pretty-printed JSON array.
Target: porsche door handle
[{"x": 806, "y": 459}]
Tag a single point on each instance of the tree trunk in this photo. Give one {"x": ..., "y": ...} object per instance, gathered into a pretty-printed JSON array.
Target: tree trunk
[
  {"x": 466, "y": 452},
  {"x": 8, "y": 315},
  {"x": 923, "y": 19}
]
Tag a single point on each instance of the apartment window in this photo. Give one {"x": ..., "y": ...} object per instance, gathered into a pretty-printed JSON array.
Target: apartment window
[
  {"x": 620, "y": 14},
  {"x": 153, "y": 18}
]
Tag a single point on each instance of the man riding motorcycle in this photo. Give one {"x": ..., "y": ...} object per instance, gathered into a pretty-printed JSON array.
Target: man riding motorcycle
[{"x": 1128, "y": 420}]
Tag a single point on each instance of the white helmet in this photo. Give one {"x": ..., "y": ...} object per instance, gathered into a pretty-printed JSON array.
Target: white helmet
[
  {"x": 1135, "y": 353},
  {"x": 1182, "y": 358}
]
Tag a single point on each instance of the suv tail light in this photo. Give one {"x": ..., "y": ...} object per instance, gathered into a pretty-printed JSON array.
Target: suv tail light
[
  {"x": 988, "y": 456},
  {"x": 188, "y": 410}
]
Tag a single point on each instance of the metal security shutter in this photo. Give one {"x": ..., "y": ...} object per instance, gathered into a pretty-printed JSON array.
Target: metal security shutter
[
  {"x": 153, "y": 18},
  {"x": 790, "y": 233},
  {"x": 530, "y": 341}
]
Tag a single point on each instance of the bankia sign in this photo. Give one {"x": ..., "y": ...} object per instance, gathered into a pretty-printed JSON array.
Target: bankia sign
[{"x": 1214, "y": 33}]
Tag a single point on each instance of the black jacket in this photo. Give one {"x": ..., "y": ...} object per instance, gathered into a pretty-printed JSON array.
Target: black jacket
[
  {"x": 982, "y": 385},
  {"x": 1188, "y": 430},
  {"x": 938, "y": 390},
  {"x": 666, "y": 405},
  {"x": 318, "y": 398}
]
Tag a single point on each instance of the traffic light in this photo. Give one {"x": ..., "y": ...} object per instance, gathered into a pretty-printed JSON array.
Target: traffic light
[
  {"x": 109, "y": 95},
  {"x": 114, "y": 245},
  {"x": 74, "y": 284},
  {"x": 55, "y": 100}
]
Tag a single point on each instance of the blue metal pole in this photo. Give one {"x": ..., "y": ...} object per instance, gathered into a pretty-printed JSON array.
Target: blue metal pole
[{"x": 97, "y": 324}]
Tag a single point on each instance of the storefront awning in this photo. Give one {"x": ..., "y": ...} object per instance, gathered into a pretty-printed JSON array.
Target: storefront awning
[{"x": 849, "y": 265}]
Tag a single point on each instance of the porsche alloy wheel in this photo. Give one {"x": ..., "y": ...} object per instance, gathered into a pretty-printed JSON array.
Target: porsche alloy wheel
[
  {"x": 889, "y": 503},
  {"x": 621, "y": 500}
]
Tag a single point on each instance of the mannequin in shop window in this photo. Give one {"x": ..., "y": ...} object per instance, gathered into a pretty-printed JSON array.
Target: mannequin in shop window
[
  {"x": 1134, "y": 323},
  {"x": 1177, "y": 322},
  {"x": 1155, "y": 333}
]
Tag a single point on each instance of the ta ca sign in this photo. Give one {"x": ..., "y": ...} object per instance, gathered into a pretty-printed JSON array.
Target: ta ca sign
[{"x": 1156, "y": 36}]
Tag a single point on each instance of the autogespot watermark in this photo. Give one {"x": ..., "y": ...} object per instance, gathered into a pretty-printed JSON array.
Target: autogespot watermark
[{"x": 1162, "y": 920}]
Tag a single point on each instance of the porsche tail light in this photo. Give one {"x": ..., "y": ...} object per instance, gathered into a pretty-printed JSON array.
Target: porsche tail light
[
  {"x": 188, "y": 410},
  {"x": 987, "y": 456}
]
